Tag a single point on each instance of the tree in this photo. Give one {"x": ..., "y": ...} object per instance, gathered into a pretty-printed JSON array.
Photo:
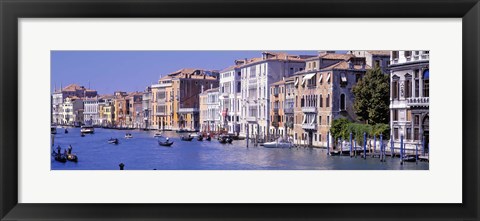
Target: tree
[{"x": 372, "y": 97}]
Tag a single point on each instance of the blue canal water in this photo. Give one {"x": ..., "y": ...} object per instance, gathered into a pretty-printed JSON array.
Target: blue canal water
[{"x": 142, "y": 152}]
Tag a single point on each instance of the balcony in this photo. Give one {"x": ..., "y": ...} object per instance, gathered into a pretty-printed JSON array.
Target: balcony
[
  {"x": 418, "y": 101},
  {"x": 309, "y": 126},
  {"x": 188, "y": 110},
  {"x": 252, "y": 119},
  {"x": 309, "y": 109},
  {"x": 288, "y": 110}
]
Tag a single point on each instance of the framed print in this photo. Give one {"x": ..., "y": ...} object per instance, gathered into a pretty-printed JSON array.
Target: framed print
[{"x": 239, "y": 110}]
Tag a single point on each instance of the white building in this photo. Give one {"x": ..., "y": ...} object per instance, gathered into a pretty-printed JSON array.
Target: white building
[
  {"x": 257, "y": 75},
  {"x": 230, "y": 97},
  {"x": 409, "y": 98},
  {"x": 374, "y": 59},
  {"x": 72, "y": 111},
  {"x": 210, "y": 119},
  {"x": 91, "y": 114}
]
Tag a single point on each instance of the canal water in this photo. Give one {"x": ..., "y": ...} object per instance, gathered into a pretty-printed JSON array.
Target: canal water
[{"x": 142, "y": 152}]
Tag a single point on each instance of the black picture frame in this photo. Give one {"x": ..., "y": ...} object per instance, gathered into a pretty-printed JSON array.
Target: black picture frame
[{"x": 12, "y": 10}]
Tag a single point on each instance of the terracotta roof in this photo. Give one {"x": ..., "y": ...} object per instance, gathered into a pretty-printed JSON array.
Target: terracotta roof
[
  {"x": 71, "y": 87},
  {"x": 336, "y": 56},
  {"x": 211, "y": 90},
  {"x": 230, "y": 68},
  {"x": 343, "y": 65},
  {"x": 279, "y": 82},
  {"x": 384, "y": 53}
]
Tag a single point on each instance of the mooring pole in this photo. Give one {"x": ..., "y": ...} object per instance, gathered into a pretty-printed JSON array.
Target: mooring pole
[
  {"x": 416, "y": 154},
  {"x": 401, "y": 149},
  {"x": 364, "y": 145},
  {"x": 351, "y": 145},
  {"x": 392, "y": 150},
  {"x": 374, "y": 145},
  {"x": 328, "y": 143},
  {"x": 381, "y": 148},
  {"x": 423, "y": 145}
]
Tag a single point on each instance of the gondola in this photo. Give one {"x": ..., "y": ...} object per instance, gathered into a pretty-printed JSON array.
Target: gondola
[
  {"x": 409, "y": 159},
  {"x": 208, "y": 138},
  {"x": 165, "y": 143},
  {"x": 128, "y": 136},
  {"x": 82, "y": 134},
  {"x": 113, "y": 141},
  {"x": 72, "y": 157},
  {"x": 187, "y": 138},
  {"x": 61, "y": 158},
  {"x": 66, "y": 131},
  {"x": 200, "y": 138}
]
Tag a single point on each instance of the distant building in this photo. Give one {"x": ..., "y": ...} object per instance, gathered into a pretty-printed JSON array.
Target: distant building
[
  {"x": 72, "y": 114},
  {"x": 323, "y": 92},
  {"x": 122, "y": 110},
  {"x": 91, "y": 113},
  {"x": 59, "y": 96},
  {"x": 135, "y": 119},
  {"x": 230, "y": 91},
  {"x": 257, "y": 75},
  {"x": 210, "y": 110},
  {"x": 374, "y": 59},
  {"x": 409, "y": 97},
  {"x": 146, "y": 107}
]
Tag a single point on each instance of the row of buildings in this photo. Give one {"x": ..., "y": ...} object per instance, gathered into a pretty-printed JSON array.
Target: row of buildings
[{"x": 273, "y": 95}]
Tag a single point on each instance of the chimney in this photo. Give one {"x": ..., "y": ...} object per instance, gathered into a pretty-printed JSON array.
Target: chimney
[
  {"x": 211, "y": 86},
  {"x": 202, "y": 88}
]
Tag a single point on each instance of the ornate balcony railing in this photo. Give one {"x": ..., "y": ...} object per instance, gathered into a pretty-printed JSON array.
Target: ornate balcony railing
[
  {"x": 418, "y": 101},
  {"x": 187, "y": 110},
  {"x": 309, "y": 126},
  {"x": 251, "y": 119},
  {"x": 309, "y": 109}
]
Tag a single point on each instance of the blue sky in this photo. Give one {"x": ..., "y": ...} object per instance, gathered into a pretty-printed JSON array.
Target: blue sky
[{"x": 109, "y": 71}]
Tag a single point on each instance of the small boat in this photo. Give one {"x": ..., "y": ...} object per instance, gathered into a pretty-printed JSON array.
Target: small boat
[
  {"x": 61, "y": 158},
  {"x": 185, "y": 138},
  {"x": 225, "y": 139},
  {"x": 87, "y": 129},
  {"x": 53, "y": 130},
  {"x": 200, "y": 138},
  {"x": 82, "y": 134},
  {"x": 113, "y": 141},
  {"x": 157, "y": 134},
  {"x": 229, "y": 140},
  {"x": 72, "y": 157},
  {"x": 128, "y": 136},
  {"x": 409, "y": 159},
  {"x": 208, "y": 138},
  {"x": 280, "y": 143},
  {"x": 181, "y": 131},
  {"x": 165, "y": 143},
  {"x": 66, "y": 131}
]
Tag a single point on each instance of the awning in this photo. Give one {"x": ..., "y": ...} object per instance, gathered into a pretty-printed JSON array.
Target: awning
[
  {"x": 426, "y": 74},
  {"x": 307, "y": 77},
  {"x": 313, "y": 120},
  {"x": 296, "y": 82},
  {"x": 328, "y": 77},
  {"x": 320, "y": 78},
  {"x": 343, "y": 77},
  {"x": 304, "y": 119}
]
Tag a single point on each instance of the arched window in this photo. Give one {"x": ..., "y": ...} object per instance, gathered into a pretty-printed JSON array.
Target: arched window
[
  {"x": 426, "y": 81},
  {"x": 342, "y": 102}
]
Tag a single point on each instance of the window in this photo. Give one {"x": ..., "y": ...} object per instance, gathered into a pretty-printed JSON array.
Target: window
[
  {"x": 320, "y": 120},
  {"x": 328, "y": 120},
  {"x": 327, "y": 102},
  {"x": 416, "y": 122},
  {"x": 321, "y": 101},
  {"x": 395, "y": 115},
  {"x": 357, "y": 78},
  {"x": 409, "y": 133},
  {"x": 395, "y": 89},
  {"x": 408, "y": 88},
  {"x": 417, "y": 84},
  {"x": 395, "y": 133},
  {"x": 408, "y": 54},
  {"x": 426, "y": 80},
  {"x": 342, "y": 102},
  {"x": 394, "y": 55},
  {"x": 377, "y": 63},
  {"x": 409, "y": 117},
  {"x": 416, "y": 134}
]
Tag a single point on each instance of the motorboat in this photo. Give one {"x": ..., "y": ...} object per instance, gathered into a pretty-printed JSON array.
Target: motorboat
[
  {"x": 82, "y": 134},
  {"x": 279, "y": 143},
  {"x": 187, "y": 138},
  {"x": 53, "y": 130},
  {"x": 87, "y": 129},
  {"x": 158, "y": 134},
  {"x": 113, "y": 141},
  {"x": 181, "y": 131},
  {"x": 128, "y": 136},
  {"x": 225, "y": 139}
]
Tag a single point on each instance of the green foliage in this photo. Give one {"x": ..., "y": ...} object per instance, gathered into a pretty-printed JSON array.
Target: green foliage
[
  {"x": 372, "y": 97},
  {"x": 341, "y": 128}
]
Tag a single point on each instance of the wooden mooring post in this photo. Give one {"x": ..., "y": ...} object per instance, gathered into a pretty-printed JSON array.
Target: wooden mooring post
[
  {"x": 382, "y": 149},
  {"x": 328, "y": 143},
  {"x": 364, "y": 145},
  {"x": 351, "y": 145},
  {"x": 392, "y": 150},
  {"x": 401, "y": 149}
]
